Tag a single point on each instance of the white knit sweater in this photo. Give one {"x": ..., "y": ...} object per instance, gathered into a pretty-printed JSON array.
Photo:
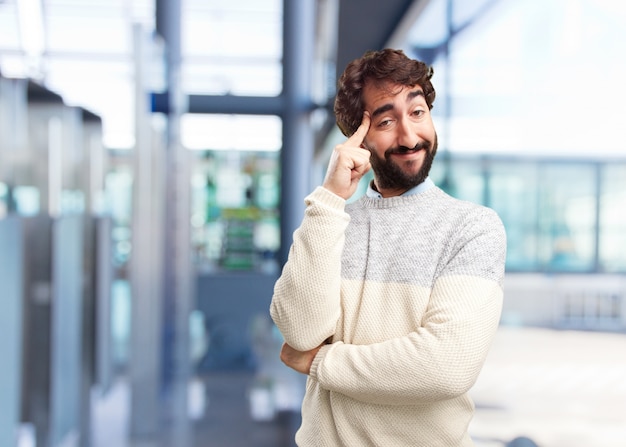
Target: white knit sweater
[{"x": 408, "y": 292}]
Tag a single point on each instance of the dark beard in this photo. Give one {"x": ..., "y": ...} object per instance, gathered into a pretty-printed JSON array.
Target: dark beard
[{"x": 390, "y": 175}]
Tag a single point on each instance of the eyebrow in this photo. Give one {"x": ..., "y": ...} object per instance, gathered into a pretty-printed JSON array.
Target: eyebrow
[{"x": 386, "y": 107}]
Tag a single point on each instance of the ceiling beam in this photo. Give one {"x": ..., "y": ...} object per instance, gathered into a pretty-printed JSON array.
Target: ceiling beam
[{"x": 367, "y": 25}]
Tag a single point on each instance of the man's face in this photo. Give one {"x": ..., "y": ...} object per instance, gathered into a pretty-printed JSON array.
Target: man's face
[{"x": 401, "y": 137}]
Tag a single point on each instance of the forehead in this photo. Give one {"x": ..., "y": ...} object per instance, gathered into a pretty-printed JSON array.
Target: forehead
[{"x": 379, "y": 93}]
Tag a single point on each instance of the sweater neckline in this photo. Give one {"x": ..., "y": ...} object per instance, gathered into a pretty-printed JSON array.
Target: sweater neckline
[{"x": 403, "y": 200}]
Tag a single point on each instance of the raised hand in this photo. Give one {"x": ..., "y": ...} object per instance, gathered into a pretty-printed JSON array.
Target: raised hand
[{"x": 348, "y": 163}]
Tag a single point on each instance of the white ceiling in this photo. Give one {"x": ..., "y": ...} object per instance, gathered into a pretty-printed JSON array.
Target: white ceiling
[
  {"x": 517, "y": 53},
  {"x": 86, "y": 51}
]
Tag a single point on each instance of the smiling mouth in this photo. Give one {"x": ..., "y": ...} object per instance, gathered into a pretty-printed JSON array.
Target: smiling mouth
[{"x": 405, "y": 151}]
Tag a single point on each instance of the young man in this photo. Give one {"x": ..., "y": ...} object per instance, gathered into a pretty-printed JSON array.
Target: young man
[{"x": 389, "y": 303}]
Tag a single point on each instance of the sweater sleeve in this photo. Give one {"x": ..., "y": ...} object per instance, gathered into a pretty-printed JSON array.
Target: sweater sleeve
[
  {"x": 442, "y": 358},
  {"x": 306, "y": 301}
]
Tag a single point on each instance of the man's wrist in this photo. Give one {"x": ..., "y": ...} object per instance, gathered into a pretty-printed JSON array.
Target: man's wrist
[{"x": 317, "y": 359}]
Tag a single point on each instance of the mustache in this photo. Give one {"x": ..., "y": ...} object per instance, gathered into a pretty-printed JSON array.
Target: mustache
[{"x": 404, "y": 150}]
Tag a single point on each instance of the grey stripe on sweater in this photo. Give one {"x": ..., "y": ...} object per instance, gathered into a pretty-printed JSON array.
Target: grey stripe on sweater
[{"x": 416, "y": 239}]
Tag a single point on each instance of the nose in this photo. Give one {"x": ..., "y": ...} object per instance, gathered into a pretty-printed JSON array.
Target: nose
[{"x": 407, "y": 135}]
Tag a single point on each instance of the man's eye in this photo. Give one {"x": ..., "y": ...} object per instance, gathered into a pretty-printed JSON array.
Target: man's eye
[
  {"x": 384, "y": 123},
  {"x": 419, "y": 112}
]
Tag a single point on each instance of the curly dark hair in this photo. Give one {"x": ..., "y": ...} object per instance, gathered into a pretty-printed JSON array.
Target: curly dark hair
[{"x": 382, "y": 66}]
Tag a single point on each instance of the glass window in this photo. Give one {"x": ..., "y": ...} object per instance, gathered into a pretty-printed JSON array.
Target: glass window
[
  {"x": 235, "y": 215},
  {"x": 461, "y": 178},
  {"x": 232, "y": 78},
  {"x": 119, "y": 196},
  {"x": 612, "y": 235},
  {"x": 514, "y": 68},
  {"x": 231, "y": 132},
  {"x": 233, "y": 48},
  {"x": 567, "y": 217},
  {"x": 549, "y": 209},
  {"x": 513, "y": 194}
]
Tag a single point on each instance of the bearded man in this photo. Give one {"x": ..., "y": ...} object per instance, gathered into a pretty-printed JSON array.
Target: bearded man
[{"x": 389, "y": 303}]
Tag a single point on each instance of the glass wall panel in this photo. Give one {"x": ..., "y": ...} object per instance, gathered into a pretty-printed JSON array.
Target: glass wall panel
[
  {"x": 612, "y": 237},
  {"x": 461, "y": 178},
  {"x": 119, "y": 184},
  {"x": 513, "y": 193},
  {"x": 567, "y": 217}
]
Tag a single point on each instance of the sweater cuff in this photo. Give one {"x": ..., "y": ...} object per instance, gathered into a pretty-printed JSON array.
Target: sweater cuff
[
  {"x": 318, "y": 359},
  {"x": 325, "y": 197}
]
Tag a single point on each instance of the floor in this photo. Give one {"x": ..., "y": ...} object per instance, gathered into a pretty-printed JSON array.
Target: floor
[
  {"x": 226, "y": 419},
  {"x": 558, "y": 388},
  {"x": 539, "y": 387}
]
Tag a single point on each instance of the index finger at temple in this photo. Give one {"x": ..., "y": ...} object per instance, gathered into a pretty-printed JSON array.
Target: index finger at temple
[{"x": 357, "y": 137}]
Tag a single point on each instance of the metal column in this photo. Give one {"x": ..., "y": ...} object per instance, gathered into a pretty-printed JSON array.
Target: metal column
[
  {"x": 177, "y": 268},
  {"x": 145, "y": 359},
  {"x": 298, "y": 136}
]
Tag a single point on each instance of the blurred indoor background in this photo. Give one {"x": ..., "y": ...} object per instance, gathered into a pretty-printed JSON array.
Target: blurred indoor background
[{"x": 154, "y": 157}]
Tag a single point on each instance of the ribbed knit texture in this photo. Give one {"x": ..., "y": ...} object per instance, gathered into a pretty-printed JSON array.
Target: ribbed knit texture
[{"x": 408, "y": 291}]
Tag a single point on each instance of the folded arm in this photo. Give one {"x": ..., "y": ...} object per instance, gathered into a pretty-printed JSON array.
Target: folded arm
[{"x": 441, "y": 358}]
